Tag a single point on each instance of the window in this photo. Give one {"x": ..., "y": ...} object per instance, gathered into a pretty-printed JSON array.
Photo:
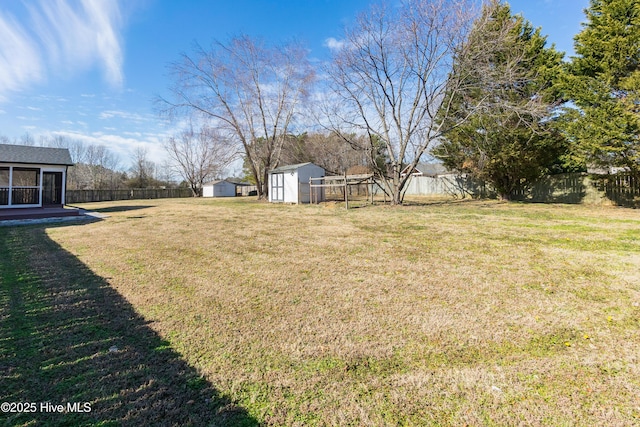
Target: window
[
  {"x": 26, "y": 177},
  {"x": 4, "y": 186},
  {"x": 4, "y": 177},
  {"x": 25, "y": 188}
]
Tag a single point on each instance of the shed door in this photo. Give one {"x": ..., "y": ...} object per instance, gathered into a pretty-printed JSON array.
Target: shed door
[{"x": 277, "y": 187}]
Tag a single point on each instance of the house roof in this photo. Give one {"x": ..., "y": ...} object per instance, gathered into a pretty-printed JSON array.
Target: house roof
[
  {"x": 290, "y": 167},
  {"x": 428, "y": 169},
  {"x": 10, "y": 153}
]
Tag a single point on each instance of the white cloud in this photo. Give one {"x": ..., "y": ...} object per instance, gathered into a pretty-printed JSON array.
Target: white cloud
[
  {"x": 122, "y": 146},
  {"x": 334, "y": 44},
  {"x": 62, "y": 37},
  {"x": 19, "y": 57},
  {"x": 126, "y": 115},
  {"x": 77, "y": 37}
]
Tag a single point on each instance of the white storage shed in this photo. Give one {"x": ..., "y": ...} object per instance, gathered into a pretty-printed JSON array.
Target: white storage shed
[
  {"x": 290, "y": 184},
  {"x": 220, "y": 188}
]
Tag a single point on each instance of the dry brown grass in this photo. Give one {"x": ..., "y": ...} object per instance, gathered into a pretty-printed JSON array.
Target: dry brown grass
[{"x": 443, "y": 313}]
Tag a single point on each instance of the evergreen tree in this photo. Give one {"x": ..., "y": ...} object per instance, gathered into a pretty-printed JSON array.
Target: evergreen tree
[
  {"x": 603, "y": 81},
  {"x": 507, "y": 136}
]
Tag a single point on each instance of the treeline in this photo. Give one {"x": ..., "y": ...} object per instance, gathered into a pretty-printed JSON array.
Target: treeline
[
  {"x": 96, "y": 167},
  {"x": 329, "y": 150},
  {"x": 558, "y": 116},
  {"x": 479, "y": 89}
]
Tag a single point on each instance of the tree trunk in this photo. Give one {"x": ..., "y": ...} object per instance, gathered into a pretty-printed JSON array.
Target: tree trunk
[
  {"x": 265, "y": 186},
  {"x": 397, "y": 184}
]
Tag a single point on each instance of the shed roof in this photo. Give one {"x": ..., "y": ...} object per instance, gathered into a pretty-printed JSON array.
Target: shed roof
[
  {"x": 218, "y": 181},
  {"x": 291, "y": 167},
  {"x": 10, "y": 153}
]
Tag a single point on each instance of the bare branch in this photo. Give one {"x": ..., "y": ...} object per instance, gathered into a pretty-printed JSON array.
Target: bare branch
[
  {"x": 200, "y": 155},
  {"x": 248, "y": 91},
  {"x": 392, "y": 77}
]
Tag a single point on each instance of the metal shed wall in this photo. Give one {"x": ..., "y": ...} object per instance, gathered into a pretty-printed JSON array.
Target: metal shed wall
[{"x": 219, "y": 189}]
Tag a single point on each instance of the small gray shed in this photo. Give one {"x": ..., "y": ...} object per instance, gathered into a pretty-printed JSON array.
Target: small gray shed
[
  {"x": 219, "y": 188},
  {"x": 290, "y": 184}
]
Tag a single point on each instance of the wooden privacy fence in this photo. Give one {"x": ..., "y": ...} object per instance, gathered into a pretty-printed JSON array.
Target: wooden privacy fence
[
  {"x": 621, "y": 189},
  {"x": 86, "y": 196}
]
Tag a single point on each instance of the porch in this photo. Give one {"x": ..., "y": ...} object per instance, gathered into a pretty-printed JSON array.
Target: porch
[{"x": 37, "y": 213}]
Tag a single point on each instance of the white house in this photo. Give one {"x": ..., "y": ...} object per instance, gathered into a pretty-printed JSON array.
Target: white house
[
  {"x": 220, "y": 188},
  {"x": 33, "y": 177},
  {"x": 290, "y": 184}
]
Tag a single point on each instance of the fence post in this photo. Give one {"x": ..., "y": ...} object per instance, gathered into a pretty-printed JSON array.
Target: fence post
[{"x": 346, "y": 194}]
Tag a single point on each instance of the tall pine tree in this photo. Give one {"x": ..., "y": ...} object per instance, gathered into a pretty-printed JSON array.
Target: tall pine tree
[
  {"x": 603, "y": 81},
  {"x": 507, "y": 137}
]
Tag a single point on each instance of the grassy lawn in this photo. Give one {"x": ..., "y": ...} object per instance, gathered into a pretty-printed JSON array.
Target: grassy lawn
[{"x": 235, "y": 312}]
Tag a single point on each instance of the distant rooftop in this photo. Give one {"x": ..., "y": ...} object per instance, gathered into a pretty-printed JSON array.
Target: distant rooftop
[
  {"x": 294, "y": 167},
  {"x": 10, "y": 153},
  {"x": 428, "y": 169}
]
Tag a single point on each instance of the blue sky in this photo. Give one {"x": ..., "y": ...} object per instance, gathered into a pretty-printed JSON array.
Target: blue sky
[{"x": 90, "y": 69}]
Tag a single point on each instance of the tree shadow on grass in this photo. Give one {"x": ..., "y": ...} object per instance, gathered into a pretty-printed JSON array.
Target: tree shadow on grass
[{"x": 66, "y": 336}]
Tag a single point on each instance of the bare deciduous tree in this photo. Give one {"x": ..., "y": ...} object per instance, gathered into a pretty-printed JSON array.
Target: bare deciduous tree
[
  {"x": 95, "y": 166},
  {"x": 249, "y": 90},
  {"x": 199, "y": 155},
  {"x": 101, "y": 166},
  {"x": 27, "y": 139},
  {"x": 393, "y": 76},
  {"x": 142, "y": 169}
]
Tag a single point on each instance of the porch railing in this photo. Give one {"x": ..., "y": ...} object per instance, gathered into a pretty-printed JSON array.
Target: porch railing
[{"x": 25, "y": 196}]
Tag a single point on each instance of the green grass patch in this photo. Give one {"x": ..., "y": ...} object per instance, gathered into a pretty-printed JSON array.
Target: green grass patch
[{"x": 435, "y": 313}]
